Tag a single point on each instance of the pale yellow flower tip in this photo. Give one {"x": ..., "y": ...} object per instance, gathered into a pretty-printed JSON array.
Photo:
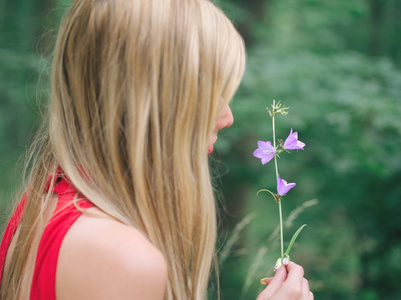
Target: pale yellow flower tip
[{"x": 263, "y": 281}]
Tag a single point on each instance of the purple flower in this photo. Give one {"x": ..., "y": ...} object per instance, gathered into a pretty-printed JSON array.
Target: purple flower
[
  {"x": 283, "y": 187},
  {"x": 265, "y": 151},
  {"x": 291, "y": 142}
]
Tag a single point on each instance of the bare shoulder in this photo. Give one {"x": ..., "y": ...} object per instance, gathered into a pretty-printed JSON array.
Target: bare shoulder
[{"x": 101, "y": 258}]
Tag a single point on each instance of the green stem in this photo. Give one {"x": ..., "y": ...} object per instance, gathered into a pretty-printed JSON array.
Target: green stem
[
  {"x": 281, "y": 232},
  {"x": 276, "y": 168}
]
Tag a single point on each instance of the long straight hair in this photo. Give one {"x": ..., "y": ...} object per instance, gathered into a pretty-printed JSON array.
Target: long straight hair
[{"x": 136, "y": 86}]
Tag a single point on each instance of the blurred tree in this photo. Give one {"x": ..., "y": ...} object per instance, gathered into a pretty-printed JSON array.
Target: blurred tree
[
  {"x": 24, "y": 84},
  {"x": 347, "y": 106}
]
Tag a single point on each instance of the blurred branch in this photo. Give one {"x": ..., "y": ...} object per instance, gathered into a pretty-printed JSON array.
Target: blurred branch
[
  {"x": 235, "y": 235},
  {"x": 296, "y": 212}
]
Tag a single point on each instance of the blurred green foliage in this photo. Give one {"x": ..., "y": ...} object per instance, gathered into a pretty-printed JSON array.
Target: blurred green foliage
[{"x": 336, "y": 64}]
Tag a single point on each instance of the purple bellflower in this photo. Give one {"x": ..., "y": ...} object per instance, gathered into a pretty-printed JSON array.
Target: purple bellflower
[
  {"x": 265, "y": 151},
  {"x": 292, "y": 143},
  {"x": 282, "y": 186}
]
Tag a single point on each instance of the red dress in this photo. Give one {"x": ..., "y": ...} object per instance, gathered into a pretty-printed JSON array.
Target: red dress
[{"x": 44, "y": 277}]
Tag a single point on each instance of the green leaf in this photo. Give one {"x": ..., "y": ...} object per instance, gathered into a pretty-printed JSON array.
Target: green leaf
[{"x": 294, "y": 237}]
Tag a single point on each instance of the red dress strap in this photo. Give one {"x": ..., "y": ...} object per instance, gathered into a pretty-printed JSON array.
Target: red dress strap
[{"x": 66, "y": 213}]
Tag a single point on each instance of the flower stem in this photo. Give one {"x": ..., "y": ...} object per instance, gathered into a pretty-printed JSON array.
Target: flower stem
[
  {"x": 276, "y": 168},
  {"x": 281, "y": 232}
]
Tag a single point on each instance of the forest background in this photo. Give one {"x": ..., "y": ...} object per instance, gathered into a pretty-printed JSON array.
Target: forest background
[{"x": 337, "y": 65}]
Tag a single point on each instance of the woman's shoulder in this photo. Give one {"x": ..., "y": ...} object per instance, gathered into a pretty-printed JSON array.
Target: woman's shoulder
[{"x": 101, "y": 258}]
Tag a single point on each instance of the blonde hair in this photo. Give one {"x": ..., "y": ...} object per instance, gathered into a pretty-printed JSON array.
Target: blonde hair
[{"x": 136, "y": 86}]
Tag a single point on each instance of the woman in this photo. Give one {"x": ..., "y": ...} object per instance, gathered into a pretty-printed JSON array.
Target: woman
[{"x": 118, "y": 202}]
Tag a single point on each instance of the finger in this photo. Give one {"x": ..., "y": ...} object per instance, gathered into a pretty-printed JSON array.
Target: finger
[
  {"x": 295, "y": 276},
  {"x": 305, "y": 289},
  {"x": 295, "y": 273},
  {"x": 311, "y": 296},
  {"x": 275, "y": 283}
]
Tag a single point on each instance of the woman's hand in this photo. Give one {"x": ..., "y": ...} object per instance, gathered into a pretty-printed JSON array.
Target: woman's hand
[{"x": 287, "y": 284}]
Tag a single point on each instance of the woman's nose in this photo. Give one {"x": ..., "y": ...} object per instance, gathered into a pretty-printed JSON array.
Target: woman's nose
[{"x": 226, "y": 119}]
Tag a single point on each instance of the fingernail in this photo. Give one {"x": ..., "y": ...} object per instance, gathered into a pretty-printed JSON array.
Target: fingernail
[
  {"x": 277, "y": 265},
  {"x": 263, "y": 281},
  {"x": 286, "y": 260}
]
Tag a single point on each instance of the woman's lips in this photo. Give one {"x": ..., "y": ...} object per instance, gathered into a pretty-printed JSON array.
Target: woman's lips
[{"x": 210, "y": 148}]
